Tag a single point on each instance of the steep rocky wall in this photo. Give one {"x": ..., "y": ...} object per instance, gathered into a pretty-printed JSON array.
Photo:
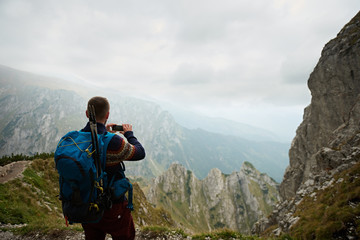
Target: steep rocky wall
[
  {"x": 332, "y": 114},
  {"x": 328, "y": 140},
  {"x": 233, "y": 201}
]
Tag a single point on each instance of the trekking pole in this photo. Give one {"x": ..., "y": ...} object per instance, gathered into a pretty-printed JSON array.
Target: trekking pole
[{"x": 94, "y": 138}]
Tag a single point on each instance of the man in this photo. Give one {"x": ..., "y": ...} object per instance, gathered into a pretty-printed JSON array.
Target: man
[{"x": 116, "y": 221}]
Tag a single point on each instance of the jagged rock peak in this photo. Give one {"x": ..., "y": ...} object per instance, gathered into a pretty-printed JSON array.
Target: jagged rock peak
[
  {"x": 219, "y": 200},
  {"x": 178, "y": 168},
  {"x": 249, "y": 169},
  {"x": 335, "y": 89}
]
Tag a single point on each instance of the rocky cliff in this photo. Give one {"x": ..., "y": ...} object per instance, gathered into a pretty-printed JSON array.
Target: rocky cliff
[
  {"x": 333, "y": 112},
  {"x": 328, "y": 140},
  {"x": 33, "y": 119},
  {"x": 233, "y": 201}
]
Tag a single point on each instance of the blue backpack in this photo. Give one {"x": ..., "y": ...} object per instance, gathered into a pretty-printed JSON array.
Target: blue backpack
[{"x": 85, "y": 190}]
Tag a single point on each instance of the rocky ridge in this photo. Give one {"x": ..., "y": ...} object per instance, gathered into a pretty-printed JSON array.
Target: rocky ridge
[
  {"x": 233, "y": 201},
  {"x": 328, "y": 140},
  {"x": 73, "y": 235}
]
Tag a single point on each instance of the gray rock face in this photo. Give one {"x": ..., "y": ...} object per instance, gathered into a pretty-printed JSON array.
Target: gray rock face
[
  {"x": 34, "y": 119},
  {"x": 335, "y": 88},
  {"x": 234, "y": 201},
  {"x": 328, "y": 140}
]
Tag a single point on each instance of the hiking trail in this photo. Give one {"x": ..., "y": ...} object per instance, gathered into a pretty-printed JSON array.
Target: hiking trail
[{"x": 12, "y": 170}]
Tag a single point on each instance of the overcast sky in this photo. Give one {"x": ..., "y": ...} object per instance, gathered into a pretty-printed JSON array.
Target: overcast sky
[{"x": 246, "y": 60}]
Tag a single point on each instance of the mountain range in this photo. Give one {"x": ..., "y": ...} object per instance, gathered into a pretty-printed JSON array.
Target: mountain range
[
  {"x": 235, "y": 201},
  {"x": 36, "y": 112}
]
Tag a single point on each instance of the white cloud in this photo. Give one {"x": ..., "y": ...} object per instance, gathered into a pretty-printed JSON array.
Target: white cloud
[{"x": 201, "y": 53}]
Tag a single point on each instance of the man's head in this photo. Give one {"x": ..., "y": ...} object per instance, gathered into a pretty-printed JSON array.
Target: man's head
[{"x": 102, "y": 108}]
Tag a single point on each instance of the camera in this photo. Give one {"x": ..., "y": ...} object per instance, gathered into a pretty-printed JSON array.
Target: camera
[{"x": 117, "y": 128}]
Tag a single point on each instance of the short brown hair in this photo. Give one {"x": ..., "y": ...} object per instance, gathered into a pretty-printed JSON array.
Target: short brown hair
[{"x": 101, "y": 106}]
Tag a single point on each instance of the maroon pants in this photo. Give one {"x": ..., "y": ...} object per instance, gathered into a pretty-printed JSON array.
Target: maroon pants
[{"x": 116, "y": 221}]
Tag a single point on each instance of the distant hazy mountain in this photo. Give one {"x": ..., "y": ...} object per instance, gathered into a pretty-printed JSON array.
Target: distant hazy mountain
[
  {"x": 192, "y": 120},
  {"x": 34, "y": 115},
  {"x": 32, "y": 119}
]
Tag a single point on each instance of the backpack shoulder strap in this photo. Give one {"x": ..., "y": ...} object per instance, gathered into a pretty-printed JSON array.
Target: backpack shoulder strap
[{"x": 107, "y": 136}]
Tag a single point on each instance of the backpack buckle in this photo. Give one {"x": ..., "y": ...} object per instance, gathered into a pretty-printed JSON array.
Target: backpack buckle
[
  {"x": 94, "y": 205},
  {"x": 89, "y": 153},
  {"x": 97, "y": 185}
]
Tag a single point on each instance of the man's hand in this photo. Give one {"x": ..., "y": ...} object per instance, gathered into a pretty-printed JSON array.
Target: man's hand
[
  {"x": 109, "y": 127},
  {"x": 126, "y": 127}
]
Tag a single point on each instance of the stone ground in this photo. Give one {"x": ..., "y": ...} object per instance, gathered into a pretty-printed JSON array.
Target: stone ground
[
  {"x": 69, "y": 235},
  {"x": 12, "y": 170},
  {"x": 36, "y": 236}
]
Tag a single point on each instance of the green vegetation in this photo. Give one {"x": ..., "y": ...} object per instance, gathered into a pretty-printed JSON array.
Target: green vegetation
[
  {"x": 20, "y": 157},
  {"x": 144, "y": 213},
  {"x": 177, "y": 203},
  {"x": 152, "y": 232},
  {"x": 333, "y": 211},
  {"x": 261, "y": 196},
  {"x": 227, "y": 234},
  {"x": 33, "y": 200},
  {"x": 222, "y": 234}
]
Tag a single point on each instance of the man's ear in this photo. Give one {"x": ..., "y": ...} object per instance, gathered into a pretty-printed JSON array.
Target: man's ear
[
  {"x": 107, "y": 115},
  {"x": 87, "y": 114}
]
